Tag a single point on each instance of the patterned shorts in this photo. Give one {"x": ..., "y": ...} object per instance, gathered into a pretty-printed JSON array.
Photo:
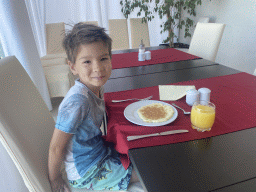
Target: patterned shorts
[{"x": 108, "y": 174}]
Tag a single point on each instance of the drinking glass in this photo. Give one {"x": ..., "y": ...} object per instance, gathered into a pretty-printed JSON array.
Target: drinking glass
[{"x": 202, "y": 115}]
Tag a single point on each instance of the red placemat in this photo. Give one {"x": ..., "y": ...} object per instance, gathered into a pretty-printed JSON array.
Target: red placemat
[
  {"x": 233, "y": 95},
  {"x": 124, "y": 60}
]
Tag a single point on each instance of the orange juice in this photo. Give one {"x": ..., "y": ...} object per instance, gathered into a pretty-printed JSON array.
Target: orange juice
[{"x": 202, "y": 117}]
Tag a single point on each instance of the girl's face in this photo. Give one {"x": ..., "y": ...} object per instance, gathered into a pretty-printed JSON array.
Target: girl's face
[{"x": 93, "y": 65}]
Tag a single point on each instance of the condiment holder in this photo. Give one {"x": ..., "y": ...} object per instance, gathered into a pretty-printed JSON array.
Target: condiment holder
[
  {"x": 192, "y": 96},
  {"x": 141, "y": 55},
  {"x": 147, "y": 55},
  {"x": 204, "y": 94}
]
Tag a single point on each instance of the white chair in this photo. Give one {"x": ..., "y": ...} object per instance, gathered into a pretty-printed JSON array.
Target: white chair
[
  {"x": 58, "y": 75},
  {"x": 206, "y": 40},
  {"x": 139, "y": 31},
  {"x": 59, "y": 80},
  {"x": 26, "y": 126},
  {"x": 118, "y": 31},
  {"x": 203, "y": 20},
  {"x": 254, "y": 72},
  {"x": 55, "y": 32},
  {"x": 200, "y": 20}
]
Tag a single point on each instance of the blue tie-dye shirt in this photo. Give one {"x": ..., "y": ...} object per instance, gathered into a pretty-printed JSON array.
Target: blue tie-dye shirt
[{"x": 81, "y": 114}]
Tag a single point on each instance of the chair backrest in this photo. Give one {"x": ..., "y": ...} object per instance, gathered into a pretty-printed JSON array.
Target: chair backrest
[
  {"x": 26, "y": 125},
  {"x": 139, "y": 31},
  {"x": 92, "y": 22},
  {"x": 206, "y": 40},
  {"x": 55, "y": 33},
  {"x": 118, "y": 31},
  {"x": 59, "y": 80}
]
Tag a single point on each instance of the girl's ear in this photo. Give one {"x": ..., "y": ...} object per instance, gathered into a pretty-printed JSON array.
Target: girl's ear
[{"x": 72, "y": 67}]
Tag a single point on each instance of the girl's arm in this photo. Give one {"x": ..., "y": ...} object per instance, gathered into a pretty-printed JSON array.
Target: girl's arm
[{"x": 57, "y": 153}]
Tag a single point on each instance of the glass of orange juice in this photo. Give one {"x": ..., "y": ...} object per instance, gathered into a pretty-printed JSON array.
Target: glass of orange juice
[{"x": 202, "y": 115}]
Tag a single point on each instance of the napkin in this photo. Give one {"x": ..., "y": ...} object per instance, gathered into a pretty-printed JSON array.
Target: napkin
[{"x": 173, "y": 92}]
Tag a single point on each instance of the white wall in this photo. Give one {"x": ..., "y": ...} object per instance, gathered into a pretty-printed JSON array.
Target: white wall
[{"x": 238, "y": 44}]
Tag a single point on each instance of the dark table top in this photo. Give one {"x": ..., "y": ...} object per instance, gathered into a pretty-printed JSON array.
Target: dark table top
[{"x": 220, "y": 163}]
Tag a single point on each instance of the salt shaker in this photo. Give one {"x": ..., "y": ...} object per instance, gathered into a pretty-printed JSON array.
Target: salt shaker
[
  {"x": 204, "y": 94},
  {"x": 148, "y": 55},
  {"x": 192, "y": 96},
  {"x": 141, "y": 57},
  {"x": 141, "y": 47}
]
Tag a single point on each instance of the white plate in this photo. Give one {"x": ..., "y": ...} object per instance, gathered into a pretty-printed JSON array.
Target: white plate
[{"x": 131, "y": 114}]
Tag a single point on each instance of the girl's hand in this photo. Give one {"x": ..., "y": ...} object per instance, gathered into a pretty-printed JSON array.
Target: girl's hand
[{"x": 59, "y": 185}]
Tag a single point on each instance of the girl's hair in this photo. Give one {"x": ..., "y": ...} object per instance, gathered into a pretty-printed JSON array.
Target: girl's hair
[{"x": 81, "y": 34}]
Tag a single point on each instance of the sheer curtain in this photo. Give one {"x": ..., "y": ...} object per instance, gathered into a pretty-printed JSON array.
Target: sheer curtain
[
  {"x": 18, "y": 39},
  {"x": 74, "y": 11},
  {"x": 36, "y": 13}
]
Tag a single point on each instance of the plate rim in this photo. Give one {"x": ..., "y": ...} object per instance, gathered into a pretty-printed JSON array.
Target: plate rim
[{"x": 142, "y": 123}]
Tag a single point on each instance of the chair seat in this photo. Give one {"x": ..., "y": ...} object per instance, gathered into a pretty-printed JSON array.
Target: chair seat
[
  {"x": 133, "y": 187},
  {"x": 182, "y": 49}
]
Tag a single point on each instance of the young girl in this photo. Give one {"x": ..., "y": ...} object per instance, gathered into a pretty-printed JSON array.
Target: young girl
[{"x": 77, "y": 137}]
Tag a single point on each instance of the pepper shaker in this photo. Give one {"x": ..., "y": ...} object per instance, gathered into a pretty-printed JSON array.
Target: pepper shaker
[
  {"x": 204, "y": 94},
  {"x": 192, "y": 96},
  {"x": 147, "y": 55},
  {"x": 141, "y": 55},
  {"x": 141, "y": 47}
]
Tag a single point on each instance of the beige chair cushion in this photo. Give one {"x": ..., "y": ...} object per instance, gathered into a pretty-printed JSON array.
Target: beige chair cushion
[
  {"x": 55, "y": 32},
  {"x": 52, "y": 62},
  {"x": 118, "y": 31},
  {"x": 206, "y": 40},
  {"x": 139, "y": 31},
  {"x": 92, "y": 22},
  {"x": 54, "y": 56},
  {"x": 26, "y": 125},
  {"x": 59, "y": 80}
]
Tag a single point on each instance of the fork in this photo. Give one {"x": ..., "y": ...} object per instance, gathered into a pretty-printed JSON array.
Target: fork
[
  {"x": 185, "y": 112},
  {"x": 118, "y": 101}
]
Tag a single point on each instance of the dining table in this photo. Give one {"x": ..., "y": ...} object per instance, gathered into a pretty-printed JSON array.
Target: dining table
[{"x": 222, "y": 159}]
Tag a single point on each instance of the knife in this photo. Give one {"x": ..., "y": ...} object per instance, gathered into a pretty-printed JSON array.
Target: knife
[{"x": 130, "y": 138}]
